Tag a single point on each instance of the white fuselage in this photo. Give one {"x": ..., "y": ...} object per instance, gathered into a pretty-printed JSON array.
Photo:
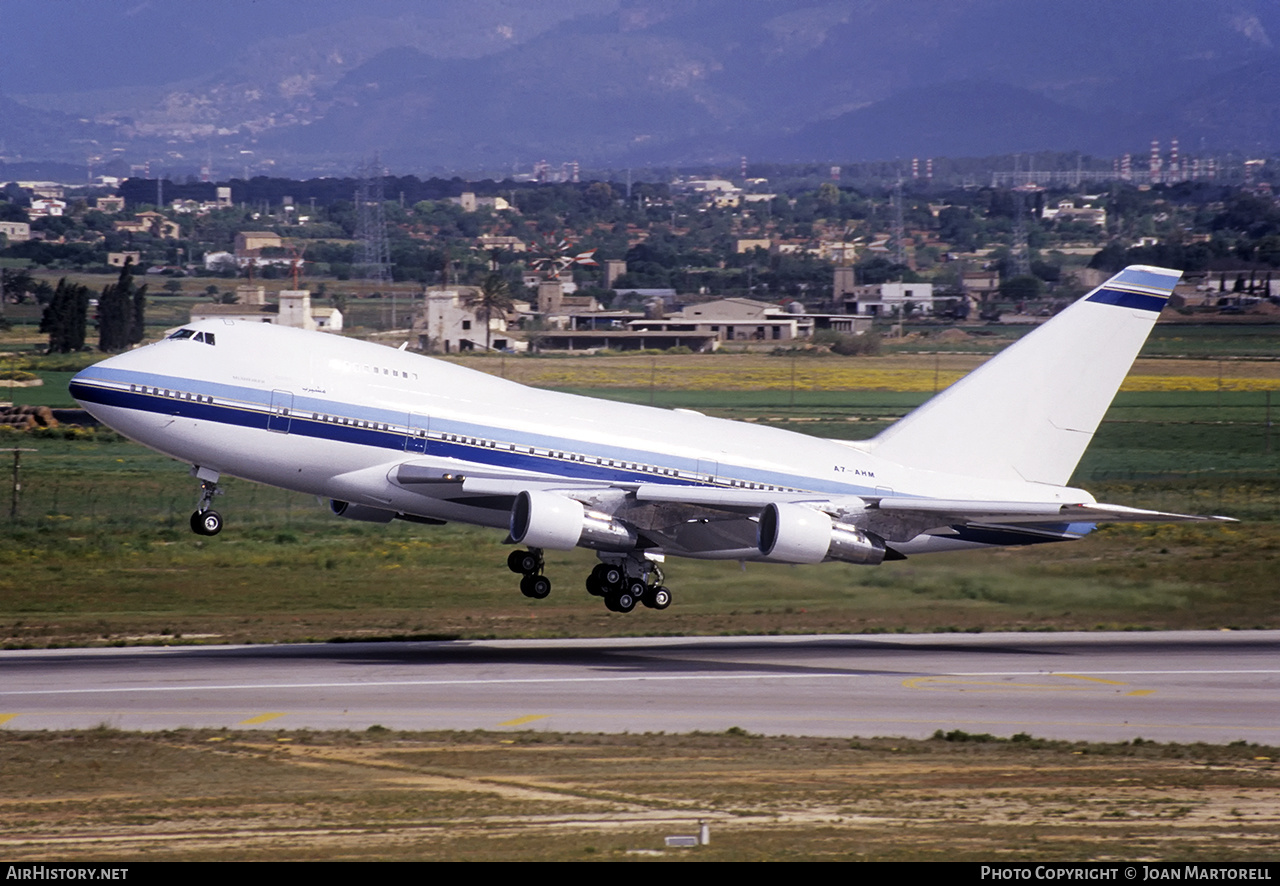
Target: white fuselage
[{"x": 337, "y": 418}]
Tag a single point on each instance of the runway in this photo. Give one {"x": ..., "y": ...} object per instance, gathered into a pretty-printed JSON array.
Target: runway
[{"x": 1168, "y": 686}]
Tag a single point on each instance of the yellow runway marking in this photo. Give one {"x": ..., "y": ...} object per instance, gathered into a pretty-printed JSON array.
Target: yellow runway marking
[
  {"x": 261, "y": 718},
  {"x": 964, "y": 684},
  {"x": 5, "y": 718},
  {"x": 528, "y": 718},
  {"x": 984, "y": 685},
  {"x": 1092, "y": 679}
]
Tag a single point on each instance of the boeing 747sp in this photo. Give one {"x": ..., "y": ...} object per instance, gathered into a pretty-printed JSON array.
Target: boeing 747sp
[{"x": 385, "y": 434}]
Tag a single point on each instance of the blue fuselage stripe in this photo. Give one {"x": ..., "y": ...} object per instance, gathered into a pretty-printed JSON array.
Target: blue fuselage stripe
[{"x": 256, "y": 413}]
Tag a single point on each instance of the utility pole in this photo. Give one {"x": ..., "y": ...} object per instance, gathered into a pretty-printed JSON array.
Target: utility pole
[
  {"x": 17, "y": 481},
  {"x": 899, "y": 226},
  {"x": 374, "y": 265}
]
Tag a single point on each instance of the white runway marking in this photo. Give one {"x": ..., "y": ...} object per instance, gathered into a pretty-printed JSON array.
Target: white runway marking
[{"x": 619, "y": 678}]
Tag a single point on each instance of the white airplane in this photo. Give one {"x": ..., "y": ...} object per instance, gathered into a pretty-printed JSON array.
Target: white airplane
[{"x": 385, "y": 434}]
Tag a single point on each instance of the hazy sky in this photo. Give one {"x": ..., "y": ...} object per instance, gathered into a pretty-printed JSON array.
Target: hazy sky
[{"x": 56, "y": 45}]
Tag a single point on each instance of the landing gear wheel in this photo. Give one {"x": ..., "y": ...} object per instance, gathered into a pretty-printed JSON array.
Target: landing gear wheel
[
  {"x": 206, "y": 522},
  {"x": 656, "y": 597},
  {"x": 620, "y": 601},
  {"x": 595, "y": 587},
  {"x": 611, "y": 576},
  {"x": 515, "y": 561},
  {"x": 524, "y": 562},
  {"x": 535, "y": 586}
]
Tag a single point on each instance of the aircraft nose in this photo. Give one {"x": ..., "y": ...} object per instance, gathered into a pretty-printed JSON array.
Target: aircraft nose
[{"x": 97, "y": 383}]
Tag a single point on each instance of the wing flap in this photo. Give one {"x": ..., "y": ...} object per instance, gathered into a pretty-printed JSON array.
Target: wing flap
[
  {"x": 726, "y": 498},
  {"x": 1031, "y": 513}
]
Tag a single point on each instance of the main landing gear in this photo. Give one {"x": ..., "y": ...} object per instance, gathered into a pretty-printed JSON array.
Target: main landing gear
[
  {"x": 529, "y": 564},
  {"x": 205, "y": 520},
  {"x": 622, "y": 581},
  {"x": 629, "y": 581}
]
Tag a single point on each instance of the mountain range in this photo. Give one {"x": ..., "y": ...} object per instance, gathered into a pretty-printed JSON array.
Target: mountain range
[{"x": 472, "y": 85}]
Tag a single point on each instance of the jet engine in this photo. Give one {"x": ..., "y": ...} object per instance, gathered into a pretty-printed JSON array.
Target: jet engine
[
  {"x": 363, "y": 513},
  {"x": 547, "y": 520},
  {"x": 791, "y": 533}
]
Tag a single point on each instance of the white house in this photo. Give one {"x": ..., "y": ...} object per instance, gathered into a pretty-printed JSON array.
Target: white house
[
  {"x": 447, "y": 324},
  {"x": 293, "y": 309},
  {"x": 734, "y": 319},
  {"x": 891, "y": 299}
]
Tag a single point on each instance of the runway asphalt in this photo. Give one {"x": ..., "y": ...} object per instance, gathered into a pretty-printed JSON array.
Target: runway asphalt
[{"x": 1166, "y": 686}]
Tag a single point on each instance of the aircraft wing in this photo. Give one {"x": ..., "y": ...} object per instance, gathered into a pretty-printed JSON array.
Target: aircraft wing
[
  {"x": 1050, "y": 513},
  {"x": 724, "y": 522}
]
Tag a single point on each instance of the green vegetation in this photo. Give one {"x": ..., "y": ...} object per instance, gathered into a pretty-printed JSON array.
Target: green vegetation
[
  {"x": 673, "y": 238},
  {"x": 101, "y": 553}
]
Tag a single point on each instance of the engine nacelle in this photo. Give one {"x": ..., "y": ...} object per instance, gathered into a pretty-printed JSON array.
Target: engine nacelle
[
  {"x": 791, "y": 533},
  {"x": 547, "y": 520},
  {"x": 363, "y": 513}
]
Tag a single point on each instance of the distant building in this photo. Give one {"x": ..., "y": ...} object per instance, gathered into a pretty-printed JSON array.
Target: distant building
[
  {"x": 503, "y": 242},
  {"x": 981, "y": 286},
  {"x": 887, "y": 299},
  {"x": 16, "y": 232},
  {"x": 110, "y": 204},
  {"x": 839, "y": 251},
  {"x": 447, "y": 324},
  {"x": 120, "y": 259},
  {"x": 249, "y": 244},
  {"x": 149, "y": 223},
  {"x": 613, "y": 269},
  {"x": 734, "y": 319},
  {"x": 161, "y": 226},
  {"x": 1068, "y": 211},
  {"x": 47, "y": 207},
  {"x": 470, "y": 202},
  {"x": 293, "y": 309},
  {"x": 844, "y": 283},
  {"x": 706, "y": 185}
]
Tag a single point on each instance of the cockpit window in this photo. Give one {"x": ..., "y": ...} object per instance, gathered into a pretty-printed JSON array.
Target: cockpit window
[{"x": 206, "y": 337}]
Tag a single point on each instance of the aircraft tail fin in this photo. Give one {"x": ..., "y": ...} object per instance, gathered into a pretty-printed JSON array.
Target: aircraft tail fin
[{"x": 1030, "y": 411}]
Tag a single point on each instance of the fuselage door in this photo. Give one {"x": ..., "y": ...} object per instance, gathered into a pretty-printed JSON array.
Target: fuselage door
[
  {"x": 419, "y": 425},
  {"x": 707, "y": 470},
  {"x": 281, "y": 407}
]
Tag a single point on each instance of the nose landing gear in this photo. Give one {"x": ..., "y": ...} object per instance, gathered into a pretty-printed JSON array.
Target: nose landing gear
[{"x": 205, "y": 520}]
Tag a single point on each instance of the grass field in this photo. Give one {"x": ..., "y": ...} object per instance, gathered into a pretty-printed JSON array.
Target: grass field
[{"x": 100, "y": 552}]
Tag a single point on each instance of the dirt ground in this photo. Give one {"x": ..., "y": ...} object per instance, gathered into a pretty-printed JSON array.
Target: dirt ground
[{"x": 533, "y": 796}]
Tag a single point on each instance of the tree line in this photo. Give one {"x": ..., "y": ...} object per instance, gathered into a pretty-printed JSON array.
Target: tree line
[{"x": 121, "y": 311}]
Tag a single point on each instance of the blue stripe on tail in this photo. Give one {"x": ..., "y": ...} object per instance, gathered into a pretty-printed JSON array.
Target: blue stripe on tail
[{"x": 1127, "y": 299}]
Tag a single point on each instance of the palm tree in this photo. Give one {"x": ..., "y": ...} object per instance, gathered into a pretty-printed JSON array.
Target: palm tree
[{"x": 491, "y": 300}]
